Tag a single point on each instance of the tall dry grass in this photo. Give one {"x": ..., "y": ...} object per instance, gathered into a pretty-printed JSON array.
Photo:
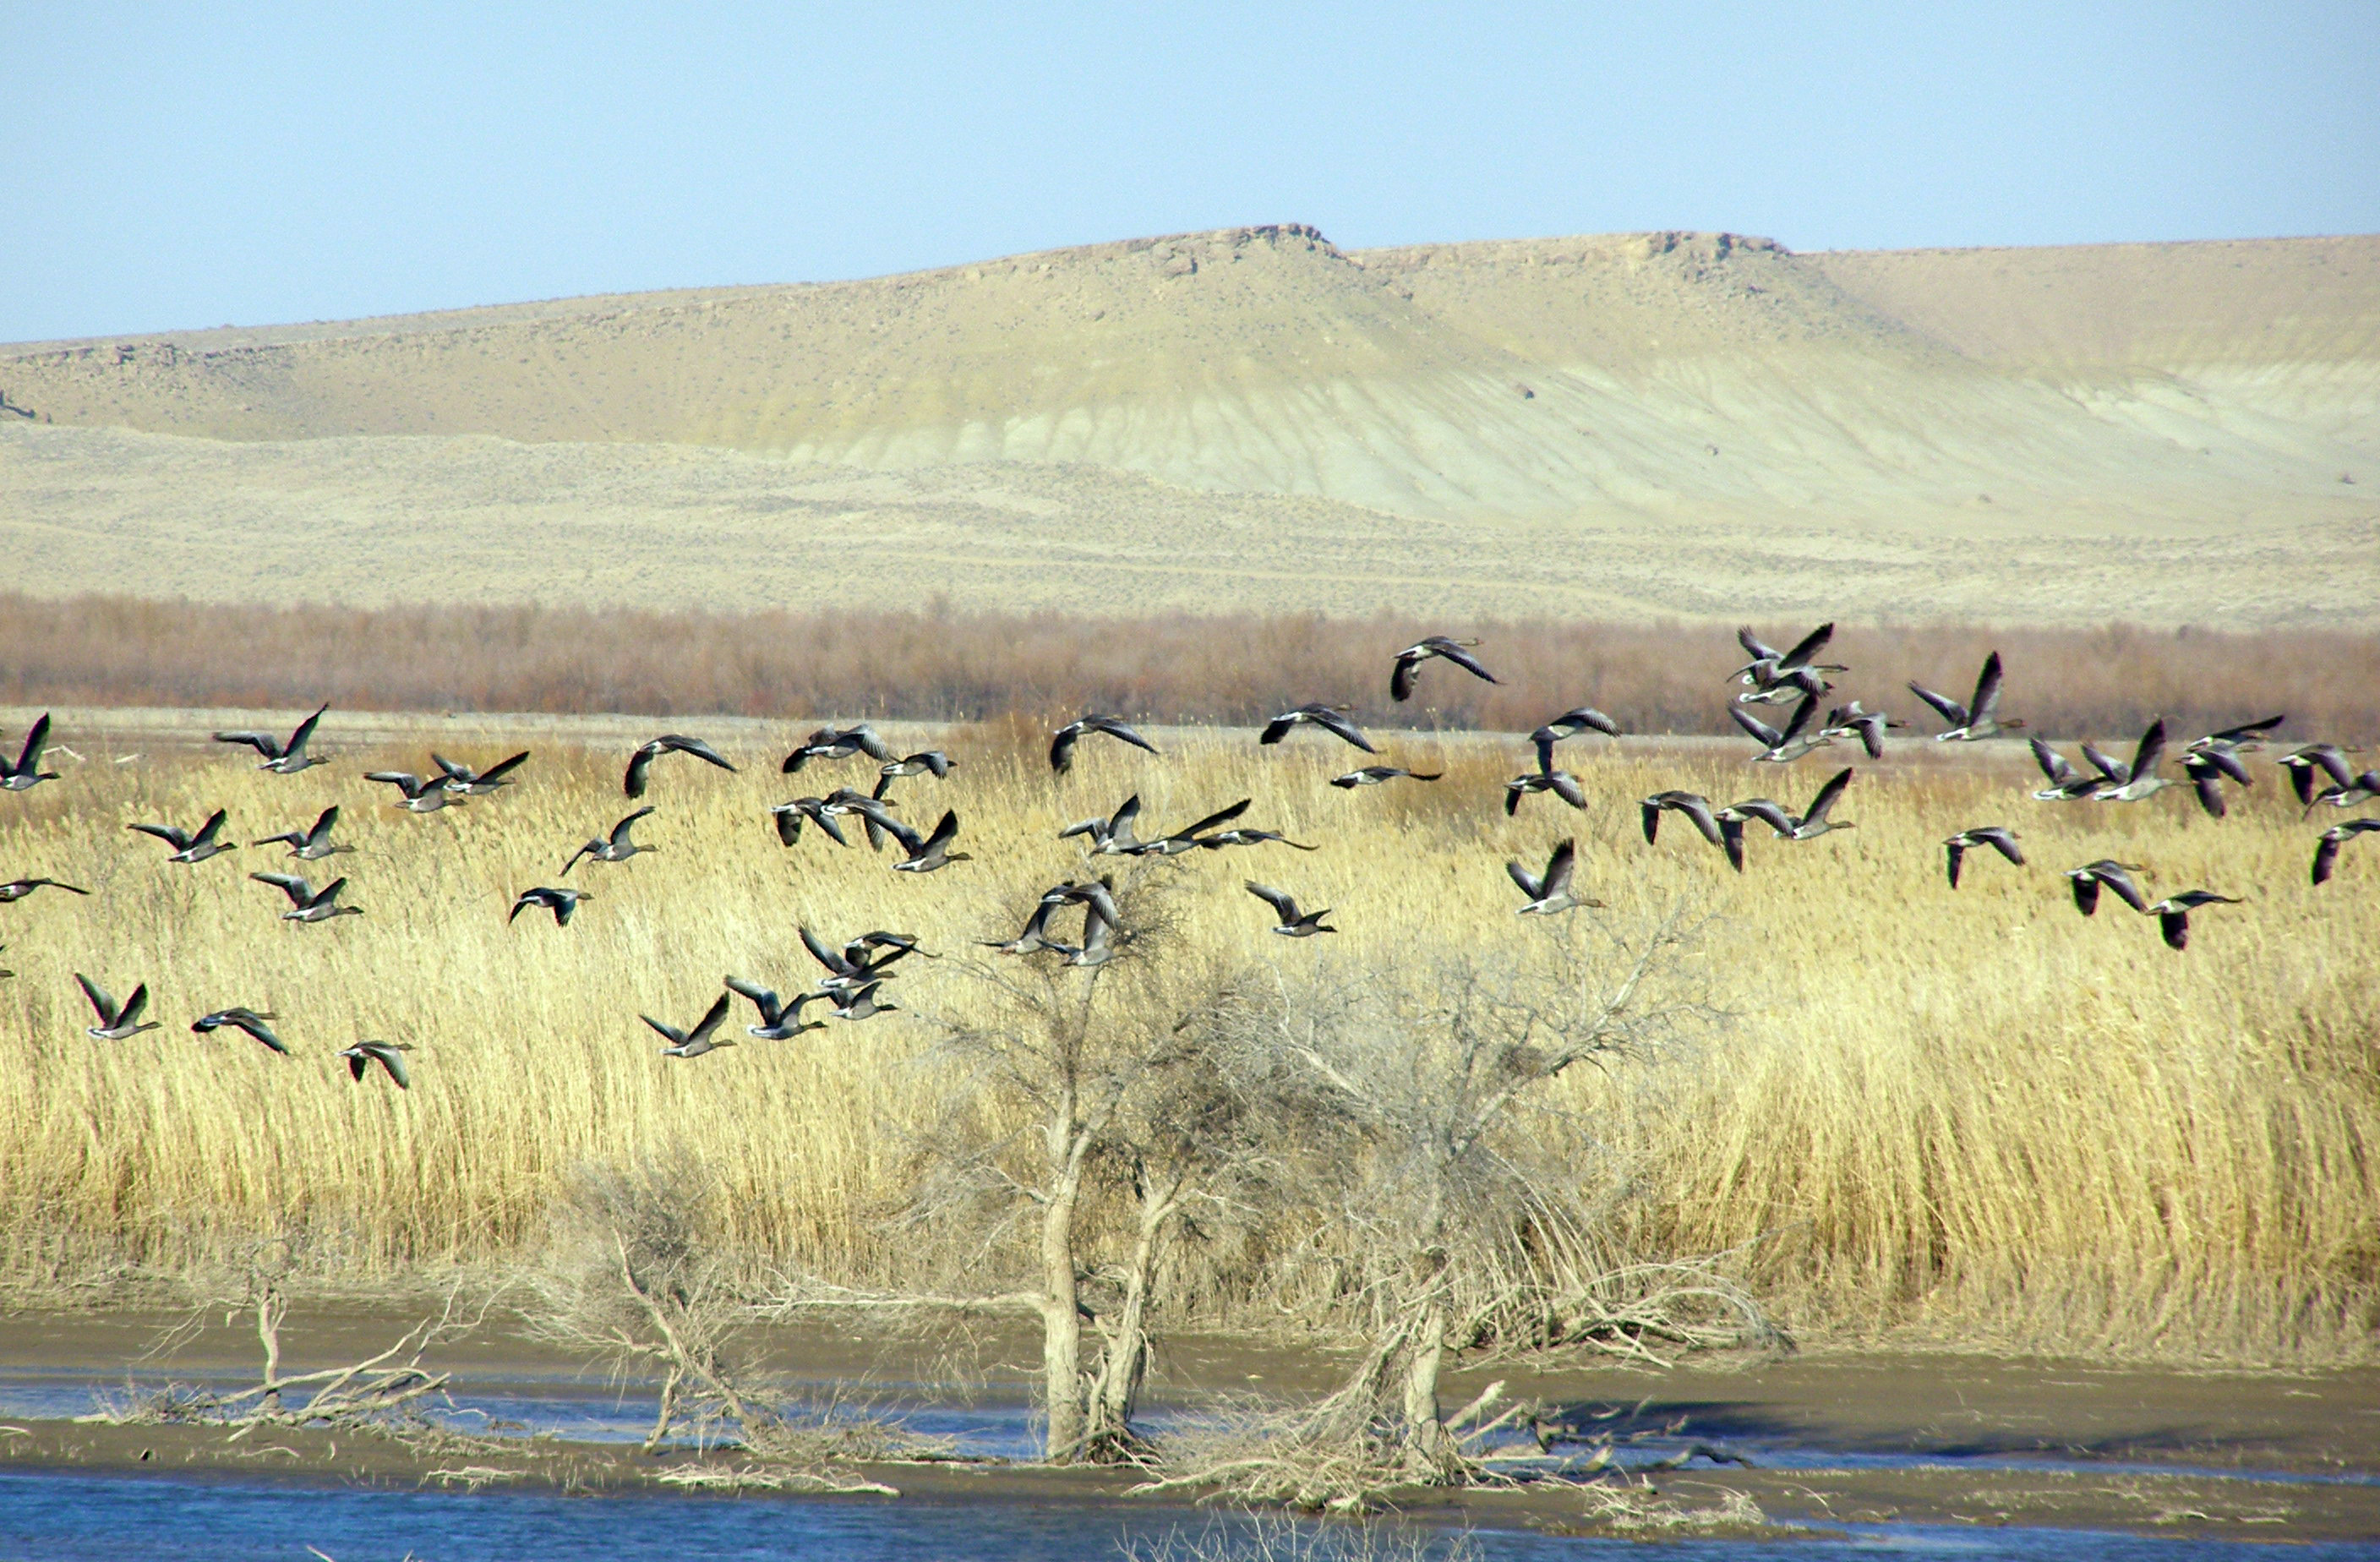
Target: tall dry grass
[
  {"x": 934, "y": 666},
  {"x": 1972, "y": 1113}
]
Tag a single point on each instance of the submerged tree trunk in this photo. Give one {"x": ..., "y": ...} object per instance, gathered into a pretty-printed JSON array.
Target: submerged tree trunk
[{"x": 1430, "y": 1449}]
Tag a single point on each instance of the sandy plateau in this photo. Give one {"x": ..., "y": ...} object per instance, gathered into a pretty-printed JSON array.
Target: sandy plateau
[{"x": 1616, "y": 427}]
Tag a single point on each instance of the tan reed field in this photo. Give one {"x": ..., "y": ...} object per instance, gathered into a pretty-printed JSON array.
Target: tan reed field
[{"x": 1973, "y": 1115}]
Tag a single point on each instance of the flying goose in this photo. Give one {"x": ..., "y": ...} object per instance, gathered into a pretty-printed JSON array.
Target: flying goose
[
  {"x": 2173, "y": 913},
  {"x": 1186, "y": 839},
  {"x": 421, "y": 794},
  {"x": 850, "y": 966},
  {"x": 930, "y": 852},
  {"x": 1096, "y": 897},
  {"x": 1782, "y": 747},
  {"x": 2066, "y": 782},
  {"x": 1570, "y": 724},
  {"x": 789, "y": 817},
  {"x": 2138, "y": 779},
  {"x": 859, "y": 1003},
  {"x": 2117, "y": 876},
  {"x": 1728, "y": 835},
  {"x": 838, "y": 743},
  {"x": 697, "y": 1042},
  {"x": 1035, "y": 938},
  {"x": 1549, "y": 892},
  {"x": 780, "y": 1021},
  {"x": 283, "y": 759},
  {"x": 1292, "y": 923},
  {"x": 1373, "y": 775},
  {"x": 641, "y": 763},
  {"x": 2326, "y": 851},
  {"x": 2246, "y": 738},
  {"x": 1998, "y": 837},
  {"x": 247, "y": 1020},
  {"x": 1116, "y": 835},
  {"x": 930, "y": 762},
  {"x": 27, "y": 773},
  {"x": 188, "y": 848},
  {"x": 1773, "y": 676},
  {"x": 117, "y": 1021},
  {"x": 561, "y": 902},
  {"x": 1868, "y": 726},
  {"x": 308, "y": 904},
  {"x": 462, "y": 778},
  {"x": 1102, "y": 940},
  {"x": 1806, "y": 826},
  {"x": 619, "y": 849},
  {"x": 873, "y": 808},
  {"x": 390, "y": 1056},
  {"x": 16, "y": 889},
  {"x": 1063, "y": 741},
  {"x": 2327, "y": 757},
  {"x": 309, "y": 845},
  {"x": 1560, "y": 783},
  {"x": 1327, "y": 718},
  {"x": 1979, "y": 717},
  {"x": 1409, "y": 661},
  {"x": 2207, "y": 770},
  {"x": 2347, "y": 794},
  {"x": 1250, "y": 837}
]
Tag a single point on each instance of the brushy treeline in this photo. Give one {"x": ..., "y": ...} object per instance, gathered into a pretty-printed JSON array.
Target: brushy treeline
[{"x": 936, "y": 666}]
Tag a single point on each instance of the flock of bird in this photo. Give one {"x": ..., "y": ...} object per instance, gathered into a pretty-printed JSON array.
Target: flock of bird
[{"x": 855, "y": 971}]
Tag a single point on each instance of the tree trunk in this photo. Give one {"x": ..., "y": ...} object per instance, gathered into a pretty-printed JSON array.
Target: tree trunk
[
  {"x": 1062, "y": 1321},
  {"x": 1429, "y": 1447},
  {"x": 270, "y": 1309},
  {"x": 1124, "y": 1362}
]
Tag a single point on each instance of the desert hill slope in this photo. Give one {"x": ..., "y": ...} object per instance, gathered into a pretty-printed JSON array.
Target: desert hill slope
[{"x": 1584, "y": 424}]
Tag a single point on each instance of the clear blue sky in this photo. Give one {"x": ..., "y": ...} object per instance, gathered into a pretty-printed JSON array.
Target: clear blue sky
[{"x": 165, "y": 166}]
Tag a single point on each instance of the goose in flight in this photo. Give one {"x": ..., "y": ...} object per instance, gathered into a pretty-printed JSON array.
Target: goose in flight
[
  {"x": 2207, "y": 770},
  {"x": 838, "y": 743},
  {"x": 1409, "y": 661},
  {"x": 1775, "y": 675},
  {"x": 789, "y": 817},
  {"x": 1549, "y": 892},
  {"x": 309, "y": 845},
  {"x": 860, "y": 1003},
  {"x": 2138, "y": 779},
  {"x": 1063, "y": 741},
  {"x": 1728, "y": 835},
  {"x": 281, "y": 758},
  {"x": 2244, "y": 738},
  {"x": 1102, "y": 940},
  {"x": 2307, "y": 764},
  {"x": 1570, "y": 724},
  {"x": 1116, "y": 835},
  {"x": 1785, "y": 747},
  {"x": 16, "y": 889},
  {"x": 2117, "y": 876},
  {"x": 1868, "y": 726},
  {"x": 1035, "y": 938},
  {"x": 2347, "y": 794},
  {"x": 1374, "y": 775},
  {"x": 461, "y": 778},
  {"x": 1805, "y": 826},
  {"x": 1250, "y": 837},
  {"x": 929, "y": 762},
  {"x": 2173, "y": 913},
  {"x": 1186, "y": 839},
  {"x": 421, "y": 794},
  {"x": 2066, "y": 782},
  {"x": 561, "y": 902},
  {"x": 27, "y": 773},
  {"x": 619, "y": 848},
  {"x": 257, "y": 1025},
  {"x": 1096, "y": 897},
  {"x": 2326, "y": 851},
  {"x": 851, "y": 966},
  {"x": 1560, "y": 783},
  {"x": 189, "y": 848},
  {"x": 390, "y": 1056},
  {"x": 1292, "y": 923},
  {"x": 1327, "y": 718},
  {"x": 873, "y": 808},
  {"x": 1980, "y": 717},
  {"x": 308, "y": 904},
  {"x": 699, "y": 1041},
  {"x": 641, "y": 763},
  {"x": 930, "y": 852},
  {"x": 1998, "y": 838},
  {"x": 117, "y": 1021},
  {"x": 780, "y": 1021}
]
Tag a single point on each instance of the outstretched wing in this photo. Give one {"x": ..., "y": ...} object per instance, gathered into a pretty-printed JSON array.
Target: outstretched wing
[
  {"x": 1762, "y": 733},
  {"x": 101, "y": 1004},
  {"x": 1559, "y": 866},
  {"x": 1332, "y": 721},
  {"x": 265, "y": 743},
  {"x": 1283, "y": 905},
  {"x": 1987, "y": 689},
  {"x": 1826, "y": 795},
  {"x": 1949, "y": 710},
  {"x": 1531, "y": 885},
  {"x": 1811, "y": 644}
]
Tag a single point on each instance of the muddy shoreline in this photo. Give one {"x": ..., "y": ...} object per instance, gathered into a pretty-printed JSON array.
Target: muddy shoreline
[{"x": 1834, "y": 1438}]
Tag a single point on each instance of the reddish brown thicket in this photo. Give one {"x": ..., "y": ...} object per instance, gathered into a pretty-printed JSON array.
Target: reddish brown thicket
[{"x": 951, "y": 665}]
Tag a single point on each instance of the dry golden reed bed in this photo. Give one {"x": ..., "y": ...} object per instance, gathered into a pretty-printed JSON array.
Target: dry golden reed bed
[{"x": 1969, "y": 1115}]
